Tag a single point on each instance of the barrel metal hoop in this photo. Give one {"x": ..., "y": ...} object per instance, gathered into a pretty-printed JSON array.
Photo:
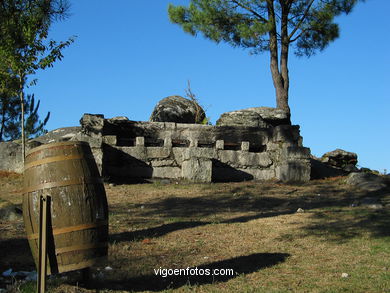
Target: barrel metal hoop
[
  {"x": 83, "y": 180},
  {"x": 65, "y": 144},
  {"x": 55, "y": 159},
  {"x": 64, "y": 230},
  {"x": 80, "y": 247}
]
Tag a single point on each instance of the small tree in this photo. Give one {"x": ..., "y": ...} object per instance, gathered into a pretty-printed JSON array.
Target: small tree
[
  {"x": 24, "y": 48},
  {"x": 10, "y": 118},
  {"x": 266, "y": 25}
]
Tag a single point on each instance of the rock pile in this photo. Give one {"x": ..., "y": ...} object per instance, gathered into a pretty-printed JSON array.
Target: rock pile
[{"x": 341, "y": 159}]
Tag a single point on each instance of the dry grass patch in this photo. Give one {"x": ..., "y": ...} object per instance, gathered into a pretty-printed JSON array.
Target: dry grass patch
[{"x": 250, "y": 227}]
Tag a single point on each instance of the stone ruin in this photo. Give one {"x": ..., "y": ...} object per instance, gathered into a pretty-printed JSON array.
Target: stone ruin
[
  {"x": 128, "y": 150},
  {"x": 251, "y": 144}
]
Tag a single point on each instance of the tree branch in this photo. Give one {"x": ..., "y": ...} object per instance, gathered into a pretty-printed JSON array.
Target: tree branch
[
  {"x": 297, "y": 37},
  {"x": 301, "y": 20},
  {"x": 264, "y": 20}
]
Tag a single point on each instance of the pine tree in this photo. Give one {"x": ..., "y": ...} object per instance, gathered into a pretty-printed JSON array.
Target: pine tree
[
  {"x": 266, "y": 25},
  {"x": 24, "y": 47},
  {"x": 10, "y": 118}
]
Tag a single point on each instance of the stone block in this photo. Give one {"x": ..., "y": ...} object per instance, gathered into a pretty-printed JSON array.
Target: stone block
[
  {"x": 245, "y": 159},
  {"x": 194, "y": 142},
  {"x": 168, "y": 142},
  {"x": 167, "y": 172},
  {"x": 206, "y": 153},
  {"x": 94, "y": 141},
  {"x": 157, "y": 152},
  {"x": 140, "y": 141},
  {"x": 138, "y": 153},
  {"x": 170, "y": 125},
  {"x": 178, "y": 154},
  {"x": 98, "y": 156},
  {"x": 110, "y": 139},
  {"x": 197, "y": 170},
  {"x": 293, "y": 171},
  {"x": 245, "y": 146},
  {"x": 286, "y": 133},
  {"x": 163, "y": 163},
  {"x": 295, "y": 152},
  {"x": 219, "y": 144},
  {"x": 261, "y": 174},
  {"x": 129, "y": 172}
]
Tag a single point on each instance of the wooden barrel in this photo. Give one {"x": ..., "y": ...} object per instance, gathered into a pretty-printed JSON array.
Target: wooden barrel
[{"x": 66, "y": 172}]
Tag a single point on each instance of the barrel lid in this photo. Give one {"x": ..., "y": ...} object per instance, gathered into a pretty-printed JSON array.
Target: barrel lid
[{"x": 55, "y": 144}]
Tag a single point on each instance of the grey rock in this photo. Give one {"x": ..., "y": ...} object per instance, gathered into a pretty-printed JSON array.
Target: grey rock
[
  {"x": 11, "y": 151},
  {"x": 273, "y": 116},
  {"x": 350, "y": 168},
  {"x": 340, "y": 158},
  {"x": 9, "y": 212},
  {"x": 57, "y": 135},
  {"x": 371, "y": 202},
  {"x": 118, "y": 118},
  {"x": 242, "y": 118},
  {"x": 197, "y": 170},
  {"x": 177, "y": 109},
  {"x": 366, "y": 181},
  {"x": 293, "y": 171},
  {"x": 92, "y": 124},
  {"x": 11, "y": 157},
  {"x": 320, "y": 170},
  {"x": 255, "y": 117}
]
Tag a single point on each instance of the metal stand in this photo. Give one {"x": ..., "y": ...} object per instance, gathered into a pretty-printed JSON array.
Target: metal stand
[{"x": 42, "y": 245}]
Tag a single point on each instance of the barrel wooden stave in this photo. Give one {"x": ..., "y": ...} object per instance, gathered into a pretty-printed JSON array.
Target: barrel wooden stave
[{"x": 69, "y": 175}]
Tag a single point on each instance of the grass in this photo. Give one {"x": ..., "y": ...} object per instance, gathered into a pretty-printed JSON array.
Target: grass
[{"x": 250, "y": 227}]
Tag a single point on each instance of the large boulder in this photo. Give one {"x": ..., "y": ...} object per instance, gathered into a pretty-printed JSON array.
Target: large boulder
[
  {"x": 255, "y": 117},
  {"x": 320, "y": 170},
  {"x": 366, "y": 181},
  {"x": 242, "y": 118},
  {"x": 341, "y": 159},
  {"x": 177, "y": 109},
  {"x": 272, "y": 116},
  {"x": 92, "y": 124}
]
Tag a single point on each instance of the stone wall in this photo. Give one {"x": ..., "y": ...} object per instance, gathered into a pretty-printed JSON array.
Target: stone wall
[
  {"x": 126, "y": 150},
  {"x": 129, "y": 150}
]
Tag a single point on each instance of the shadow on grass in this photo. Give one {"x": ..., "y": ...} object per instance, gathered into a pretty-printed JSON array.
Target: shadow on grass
[
  {"x": 348, "y": 223},
  {"x": 341, "y": 226},
  {"x": 15, "y": 253},
  {"x": 155, "y": 231},
  {"x": 171, "y": 227},
  {"x": 239, "y": 265}
]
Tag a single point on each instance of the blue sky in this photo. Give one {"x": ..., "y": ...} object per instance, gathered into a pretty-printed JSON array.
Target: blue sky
[{"x": 128, "y": 56}]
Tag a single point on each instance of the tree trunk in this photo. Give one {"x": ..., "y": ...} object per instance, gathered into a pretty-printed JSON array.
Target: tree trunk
[
  {"x": 21, "y": 95},
  {"x": 279, "y": 77},
  {"x": 4, "y": 104},
  {"x": 283, "y": 98}
]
